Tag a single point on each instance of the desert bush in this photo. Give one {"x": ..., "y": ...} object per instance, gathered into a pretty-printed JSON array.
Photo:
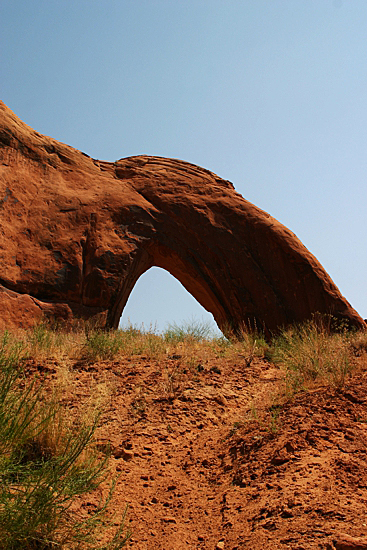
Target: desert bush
[
  {"x": 358, "y": 342},
  {"x": 131, "y": 341},
  {"x": 44, "y": 466},
  {"x": 248, "y": 345},
  {"x": 143, "y": 342},
  {"x": 188, "y": 331},
  {"x": 311, "y": 354},
  {"x": 101, "y": 344}
]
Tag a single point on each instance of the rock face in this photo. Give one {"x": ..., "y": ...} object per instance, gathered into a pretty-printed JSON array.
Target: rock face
[{"x": 76, "y": 234}]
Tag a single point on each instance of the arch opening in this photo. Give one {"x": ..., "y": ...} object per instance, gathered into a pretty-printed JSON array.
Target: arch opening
[
  {"x": 158, "y": 299},
  {"x": 192, "y": 275}
]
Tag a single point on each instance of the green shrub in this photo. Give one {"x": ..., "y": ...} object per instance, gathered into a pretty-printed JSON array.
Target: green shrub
[
  {"x": 44, "y": 467},
  {"x": 189, "y": 330},
  {"x": 101, "y": 344}
]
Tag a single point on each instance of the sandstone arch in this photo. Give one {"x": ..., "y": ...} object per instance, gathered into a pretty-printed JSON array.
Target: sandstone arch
[{"x": 76, "y": 234}]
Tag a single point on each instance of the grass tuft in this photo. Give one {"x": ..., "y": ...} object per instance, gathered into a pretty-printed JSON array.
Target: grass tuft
[
  {"x": 188, "y": 331},
  {"x": 311, "y": 354}
]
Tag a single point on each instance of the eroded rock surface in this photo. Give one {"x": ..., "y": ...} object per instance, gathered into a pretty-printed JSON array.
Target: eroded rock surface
[{"x": 76, "y": 234}]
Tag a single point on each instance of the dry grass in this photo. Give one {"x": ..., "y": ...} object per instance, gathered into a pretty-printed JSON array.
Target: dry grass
[
  {"x": 309, "y": 354},
  {"x": 312, "y": 355}
]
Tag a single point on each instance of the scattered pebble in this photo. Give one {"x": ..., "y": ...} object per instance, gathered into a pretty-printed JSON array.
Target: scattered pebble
[{"x": 169, "y": 519}]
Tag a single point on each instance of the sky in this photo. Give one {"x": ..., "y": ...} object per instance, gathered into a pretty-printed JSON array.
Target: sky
[{"x": 269, "y": 94}]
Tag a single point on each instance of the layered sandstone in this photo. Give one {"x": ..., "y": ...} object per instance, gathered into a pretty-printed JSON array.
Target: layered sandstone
[{"x": 76, "y": 234}]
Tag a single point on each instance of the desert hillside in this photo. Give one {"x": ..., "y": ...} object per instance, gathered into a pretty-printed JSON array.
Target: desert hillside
[{"x": 216, "y": 444}]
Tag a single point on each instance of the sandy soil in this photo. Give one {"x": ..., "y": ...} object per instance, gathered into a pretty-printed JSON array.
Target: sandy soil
[{"x": 207, "y": 459}]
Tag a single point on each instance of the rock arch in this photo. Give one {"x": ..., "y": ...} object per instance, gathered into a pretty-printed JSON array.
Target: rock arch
[{"x": 76, "y": 234}]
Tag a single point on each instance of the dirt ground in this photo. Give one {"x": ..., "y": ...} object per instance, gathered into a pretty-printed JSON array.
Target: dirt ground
[{"x": 207, "y": 458}]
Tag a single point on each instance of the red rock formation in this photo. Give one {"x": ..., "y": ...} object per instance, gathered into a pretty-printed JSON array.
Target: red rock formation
[{"x": 76, "y": 234}]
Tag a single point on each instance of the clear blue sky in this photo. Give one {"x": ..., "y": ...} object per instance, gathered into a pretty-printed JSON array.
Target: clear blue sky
[{"x": 270, "y": 94}]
